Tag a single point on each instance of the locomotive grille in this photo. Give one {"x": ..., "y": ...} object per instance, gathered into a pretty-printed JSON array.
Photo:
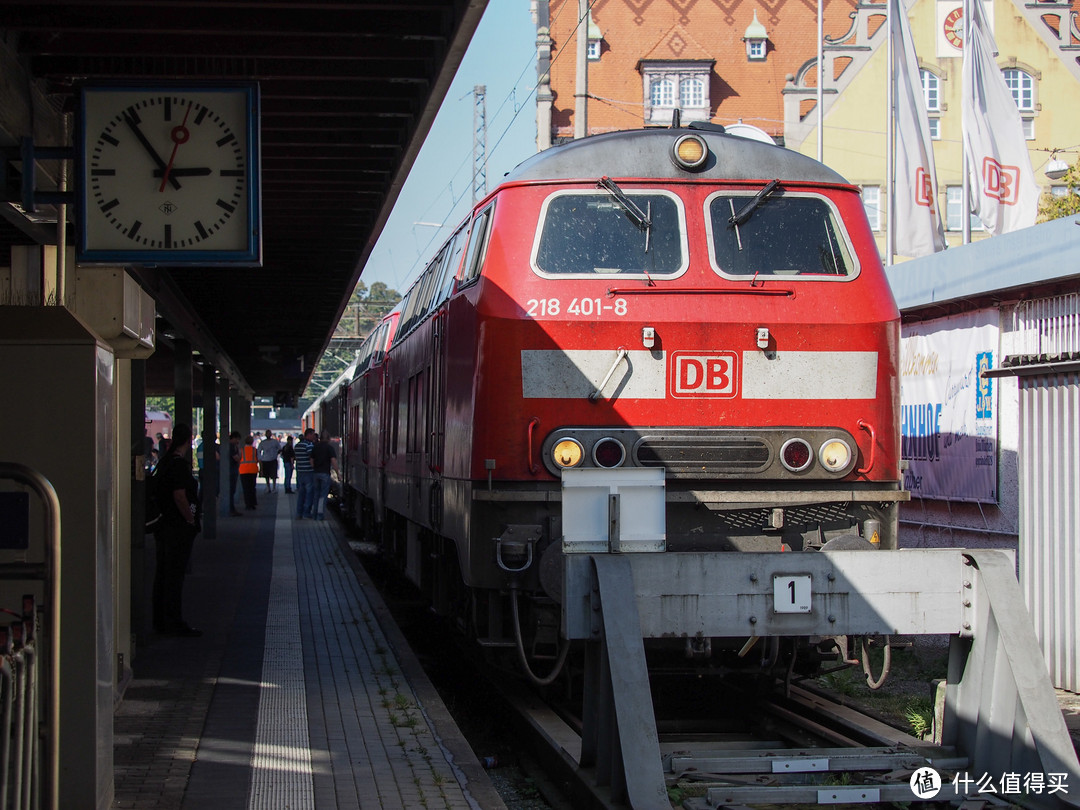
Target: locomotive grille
[
  {"x": 753, "y": 520},
  {"x": 703, "y": 454}
]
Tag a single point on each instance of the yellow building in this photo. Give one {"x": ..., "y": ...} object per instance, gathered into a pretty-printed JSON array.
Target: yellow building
[{"x": 1038, "y": 50}]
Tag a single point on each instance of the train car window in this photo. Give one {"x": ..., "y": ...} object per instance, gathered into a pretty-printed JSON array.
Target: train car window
[
  {"x": 790, "y": 235},
  {"x": 583, "y": 234},
  {"x": 427, "y": 286},
  {"x": 454, "y": 250},
  {"x": 477, "y": 246}
]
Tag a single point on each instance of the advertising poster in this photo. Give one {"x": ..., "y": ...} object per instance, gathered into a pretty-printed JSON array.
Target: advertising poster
[{"x": 948, "y": 414}]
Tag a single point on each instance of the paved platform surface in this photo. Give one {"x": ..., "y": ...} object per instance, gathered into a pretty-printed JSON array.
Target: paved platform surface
[{"x": 300, "y": 694}]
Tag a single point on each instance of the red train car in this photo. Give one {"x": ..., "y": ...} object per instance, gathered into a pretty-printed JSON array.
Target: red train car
[
  {"x": 362, "y": 443},
  {"x": 678, "y": 299}
]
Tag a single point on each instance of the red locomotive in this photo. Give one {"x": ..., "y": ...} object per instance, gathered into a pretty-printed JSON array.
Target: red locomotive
[{"x": 678, "y": 299}]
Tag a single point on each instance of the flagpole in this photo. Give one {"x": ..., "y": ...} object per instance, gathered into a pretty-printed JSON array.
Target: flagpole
[
  {"x": 965, "y": 190},
  {"x": 890, "y": 157},
  {"x": 820, "y": 81}
]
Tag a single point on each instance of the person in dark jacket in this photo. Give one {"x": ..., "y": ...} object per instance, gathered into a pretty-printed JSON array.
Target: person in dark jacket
[{"x": 174, "y": 537}]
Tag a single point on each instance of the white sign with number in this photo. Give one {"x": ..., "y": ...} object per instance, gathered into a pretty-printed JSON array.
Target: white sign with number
[{"x": 791, "y": 593}]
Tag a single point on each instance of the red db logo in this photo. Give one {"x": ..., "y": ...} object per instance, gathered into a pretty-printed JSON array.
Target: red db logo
[
  {"x": 924, "y": 189},
  {"x": 1001, "y": 182},
  {"x": 703, "y": 375}
]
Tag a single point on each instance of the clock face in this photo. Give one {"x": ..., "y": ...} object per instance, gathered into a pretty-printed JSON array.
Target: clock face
[{"x": 168, "y": 175}]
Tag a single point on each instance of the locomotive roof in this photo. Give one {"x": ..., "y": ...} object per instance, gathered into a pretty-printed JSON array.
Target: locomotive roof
[{"x": 646, "y": 153}]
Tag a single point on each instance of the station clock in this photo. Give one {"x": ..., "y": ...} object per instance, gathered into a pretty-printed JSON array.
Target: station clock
[{"x": 169, "y": 175}]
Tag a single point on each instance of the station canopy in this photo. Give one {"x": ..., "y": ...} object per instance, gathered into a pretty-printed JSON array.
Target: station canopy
[{"x": 349, "y": 91}]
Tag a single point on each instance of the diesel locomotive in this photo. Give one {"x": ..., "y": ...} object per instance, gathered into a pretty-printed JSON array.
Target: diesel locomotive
[{"x": 676, "y": 299}]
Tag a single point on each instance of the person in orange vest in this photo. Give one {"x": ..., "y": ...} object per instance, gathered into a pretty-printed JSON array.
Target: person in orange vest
[{"x": 249, "y": 471}]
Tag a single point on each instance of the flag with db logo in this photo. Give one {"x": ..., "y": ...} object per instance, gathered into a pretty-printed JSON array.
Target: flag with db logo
[{"x": 1003, "y": 189}]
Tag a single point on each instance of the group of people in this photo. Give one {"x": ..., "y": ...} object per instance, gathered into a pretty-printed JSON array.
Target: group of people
[{"x": 313, "y": 458}]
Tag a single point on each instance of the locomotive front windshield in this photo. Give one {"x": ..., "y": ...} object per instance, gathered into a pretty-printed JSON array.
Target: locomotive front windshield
[
  {"x": 593, "y": 233},
  {"x": 780, "y": 235}
]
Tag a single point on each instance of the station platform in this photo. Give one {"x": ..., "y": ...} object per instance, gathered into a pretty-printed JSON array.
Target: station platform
[{"x": 301, "y": 692}]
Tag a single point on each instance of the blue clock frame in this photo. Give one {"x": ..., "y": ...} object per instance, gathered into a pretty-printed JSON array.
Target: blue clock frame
[{"x": 250, "y": 255}]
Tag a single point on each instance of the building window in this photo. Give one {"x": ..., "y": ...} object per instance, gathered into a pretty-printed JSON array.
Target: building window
[
  {"x": 931, "y": 86},
  {"x": 954, "y": 199},
  {"x": 755, "y": 49},
  {"x": 871, "y": 200},
  {"x": 1022, "y": 85},
  {"x": 671, "y": 85},
  {"x": 692, "y": 93},
  {"x": 663, "y": 93},
  {"x": 931, "y": 91},
  {"x": 594, "y": 49}
]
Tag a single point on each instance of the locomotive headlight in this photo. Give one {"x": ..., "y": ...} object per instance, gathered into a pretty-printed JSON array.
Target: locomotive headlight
[
  {"x": 835, "y": 455},
  {"x": 689, "y": 152},
  {"x": 567, "y": 453}
]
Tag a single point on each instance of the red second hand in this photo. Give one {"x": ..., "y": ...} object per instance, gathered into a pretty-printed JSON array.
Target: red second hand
[{"x": 179, "y": 135}]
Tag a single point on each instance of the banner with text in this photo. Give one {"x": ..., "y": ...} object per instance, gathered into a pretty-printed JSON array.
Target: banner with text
[{"x": 948, "y": 416}]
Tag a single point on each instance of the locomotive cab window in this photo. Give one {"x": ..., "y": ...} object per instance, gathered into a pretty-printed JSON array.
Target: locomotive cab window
[
  {"x": 585, "y": 234},
  {"x": 778, "y": 234}
]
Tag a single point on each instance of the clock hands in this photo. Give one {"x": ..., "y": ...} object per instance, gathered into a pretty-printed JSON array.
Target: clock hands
[
  {"x": 130, "y": 121},
  {"x": 179, "y": 135}
]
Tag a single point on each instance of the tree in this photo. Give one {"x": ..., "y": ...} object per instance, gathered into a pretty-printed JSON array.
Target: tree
[
  {"x": 365, "y": 309},
  {"x": 1054, "y": 207}
]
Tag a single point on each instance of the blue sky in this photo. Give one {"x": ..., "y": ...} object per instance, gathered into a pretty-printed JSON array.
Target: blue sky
[{"x": 439, "y": 189}]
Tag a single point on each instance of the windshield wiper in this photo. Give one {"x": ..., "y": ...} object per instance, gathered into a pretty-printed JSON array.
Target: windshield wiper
[
  {"x": 642, "y": 219},
  {"x": 754, "y": 204}
]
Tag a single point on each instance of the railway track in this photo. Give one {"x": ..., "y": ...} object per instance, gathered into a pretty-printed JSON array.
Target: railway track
[{"x": 723, "y": 744}]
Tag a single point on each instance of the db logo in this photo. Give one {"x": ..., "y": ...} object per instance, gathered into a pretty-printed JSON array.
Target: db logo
[
  {"x": 924, "y": 189},
  {"x": 1001, "y": 182},
  {"x": 703, "y": 375}
]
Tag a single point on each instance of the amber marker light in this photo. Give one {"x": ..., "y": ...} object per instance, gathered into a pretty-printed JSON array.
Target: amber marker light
[
  {"x": 567, "y": 453},
  {"x": 689, "y": 152}
]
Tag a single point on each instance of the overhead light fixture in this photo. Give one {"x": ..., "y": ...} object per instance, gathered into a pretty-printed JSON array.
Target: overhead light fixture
[{"x": 1056, "y": 169}]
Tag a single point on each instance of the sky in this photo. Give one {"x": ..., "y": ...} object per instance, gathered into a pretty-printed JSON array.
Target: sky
[{"x": 502, "y": 57}]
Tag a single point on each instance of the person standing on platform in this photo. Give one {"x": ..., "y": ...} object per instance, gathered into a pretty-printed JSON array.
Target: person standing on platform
[
  {"x": 269, "y": 450},
  {"x": 288, "y": 458},
  {"x": 323, "y": 459},
  {"x": 235, "y": 452},
  {"x": 249, "y": 471},
  {"x": 305, "y": 475},
  {"x": 175, "y": 535}
]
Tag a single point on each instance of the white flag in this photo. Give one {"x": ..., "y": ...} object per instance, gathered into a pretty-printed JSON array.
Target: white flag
[
  {"x": 916, "y": 218},
  {"x": 1003, "y": 189}
]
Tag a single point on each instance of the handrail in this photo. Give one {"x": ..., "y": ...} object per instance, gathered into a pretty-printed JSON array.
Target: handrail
[
  {"x": 862, "y": 423},
  {"x": 50, "y": 571},
  {"x": 534, "y": 468}
]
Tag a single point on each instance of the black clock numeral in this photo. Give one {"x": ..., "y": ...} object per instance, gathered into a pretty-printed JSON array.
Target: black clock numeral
[
  {"x": 230, "y": 138},
  {"x": 133, "y": 114},
  {"x": 232, "y": 172},
  {"x": 201, "y": 115},
  {"x": 111, "y": 204},
  {"x": 226, "y": 206},
  {"x": 134, "y": 229},
  {"x": 109, "y": 139},
  {"x": 168, "y": 108},
  {"x": 168, "y": 236},
  {"x": 103, "y": 172},
  {"x": 202, "y": 231}
]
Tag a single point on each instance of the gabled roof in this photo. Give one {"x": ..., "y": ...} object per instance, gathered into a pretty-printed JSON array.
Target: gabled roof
[{"x": 676, "y": 45}]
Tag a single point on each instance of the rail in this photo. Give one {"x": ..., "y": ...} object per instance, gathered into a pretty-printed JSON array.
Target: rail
[{"x": 29, "y": 692}]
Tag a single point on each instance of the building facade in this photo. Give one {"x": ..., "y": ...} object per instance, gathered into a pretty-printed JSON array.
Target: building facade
[{"x": 755, "y": 64}]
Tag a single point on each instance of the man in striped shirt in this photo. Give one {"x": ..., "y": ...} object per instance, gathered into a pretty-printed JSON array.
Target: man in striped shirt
[{"x": 305, "y": 475}]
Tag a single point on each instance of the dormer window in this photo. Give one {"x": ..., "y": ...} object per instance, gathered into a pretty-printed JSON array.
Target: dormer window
[
  {"x": 595, "y": 39},
  {"x": 756, "y": 38}
]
